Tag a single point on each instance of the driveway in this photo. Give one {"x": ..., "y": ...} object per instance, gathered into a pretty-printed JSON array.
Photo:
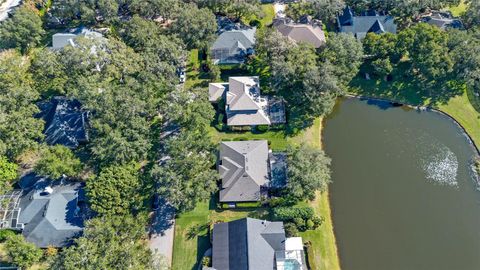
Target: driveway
[{"x": 162, "y": 231}]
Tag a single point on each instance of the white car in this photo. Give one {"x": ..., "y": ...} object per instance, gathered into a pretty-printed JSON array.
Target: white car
[{"x": 182, "y": 76}]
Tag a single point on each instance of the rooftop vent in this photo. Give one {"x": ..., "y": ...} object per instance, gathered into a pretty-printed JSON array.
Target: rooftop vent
[{"x": 48, "y": 190}]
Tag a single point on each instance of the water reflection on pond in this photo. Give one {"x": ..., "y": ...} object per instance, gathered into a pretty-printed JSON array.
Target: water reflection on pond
[{"x": 403, "y": 195}]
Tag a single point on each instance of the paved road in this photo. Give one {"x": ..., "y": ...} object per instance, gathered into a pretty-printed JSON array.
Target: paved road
[{"x": 162, "y": 231}]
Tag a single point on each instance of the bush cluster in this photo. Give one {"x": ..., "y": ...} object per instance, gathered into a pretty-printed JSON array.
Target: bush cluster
[{"x": 297, "y": 219}]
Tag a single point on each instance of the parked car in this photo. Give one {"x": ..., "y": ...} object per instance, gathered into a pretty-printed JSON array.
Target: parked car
[{"x": 182, "y": 75}]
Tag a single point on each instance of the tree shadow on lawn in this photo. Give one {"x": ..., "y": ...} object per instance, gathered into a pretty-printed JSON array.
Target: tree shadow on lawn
[
  {"x": 407, "y": 88},
  {"x": 203, "y": 244}
]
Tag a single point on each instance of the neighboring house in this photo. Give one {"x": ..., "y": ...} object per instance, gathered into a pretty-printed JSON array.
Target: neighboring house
[
  {"x": 60, "y": 40},
  {"x": 243, "y": 168},
  {"x": 233, "y": 46},
  {"x": 244, "y": 106},
  {"x": 442, "y": 20},
  {"x": 367, "y": 22},
  {"x": 309, "y": 31},
  {"x": 65, "y": 122},
  {"x": 47, "y": 212},
  {"x": 255, "y": 244}
]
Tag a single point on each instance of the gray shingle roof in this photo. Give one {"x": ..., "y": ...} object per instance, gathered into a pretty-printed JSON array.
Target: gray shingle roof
[
  {"x": 244, "y": 104},
  {"x": 247, "y": 244},
  {"x": 243, "y": 167},
  {"x": 51, "y": 219},
  {"x": 60, "y": 40},
  {"x": 359, "y": 26},
  {"x": 232, "y": 46}
]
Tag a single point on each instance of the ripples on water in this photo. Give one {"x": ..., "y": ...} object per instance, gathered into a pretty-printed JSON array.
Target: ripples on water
[{"x": 441, "y": 167}]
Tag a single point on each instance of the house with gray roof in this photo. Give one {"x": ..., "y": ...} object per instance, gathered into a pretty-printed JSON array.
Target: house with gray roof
[
  {"x": 244, "y": 169},
  {"x": 255, "y": 244},
  {"x": 244, "y": 106},
  {"x": 367, "y": 22},
  {"x": 442, "y": 20},
  {"x": 47, "y": 212},
  {"x": 309, "y": 31},
  {"x": 60, "y": 40},
  {"x": 65, "y": 122},
  {"x": 233, "y": 46}
]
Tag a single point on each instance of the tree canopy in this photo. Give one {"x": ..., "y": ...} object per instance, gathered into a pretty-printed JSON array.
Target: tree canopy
[
  {"x": 22, "y": 253},
  {"x": 116, "y": 190},
  {"x": 19, "y": 130},
  {"x": 308, "y": 172},
  {"x": 56, "y": 161},
  {"x": 426, "y": 46},
  {"x": 109, "y": 243},
  {"x": 345, "y": 53},
  {"x": 196, "y": 27},
  {"x": 23, "y": 31},
  {"x": 8, "y": 173}
]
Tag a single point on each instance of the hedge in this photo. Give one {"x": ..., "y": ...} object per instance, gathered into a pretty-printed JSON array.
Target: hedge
[{"x": 290, "y": 213}]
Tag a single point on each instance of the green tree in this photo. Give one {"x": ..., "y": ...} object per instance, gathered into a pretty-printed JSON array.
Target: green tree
[
  {"x": 471, "y": 17},
  {"x": 109, "y": 243},
  {"x": 196, "y": 27},
  {"x": 345, "y": 53},
  {"x": 115, "y": 191},
  {"x": 23, "y": 31},
  {"x": 382, "y": 67},
  {"x": 152, "y": 9},
  {"x": 233, "y": 8},
  {"x": 465, "y": 52},
  {"x": 309, "y": 87},
  {"x": 120, "y": 91},
  {"x": 326, "y": 10},
  {"x": 308, "y": 172},
  {"x": 48, "y": 73},
  {"x": 22, "y": 253},
  {"x": 381, "y": 46},
  {"x": 88, "y": 12},
  {"x": 19, "y": 130},
  {"x": 426, "y": 46},
  {"x": 8, "y": 173},
  {"x": 56, "y": 161},
  {"x": 186, "y": 176}
]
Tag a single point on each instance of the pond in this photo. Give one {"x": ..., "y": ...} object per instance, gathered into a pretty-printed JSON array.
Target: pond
[{"x": 403, "y": 194}]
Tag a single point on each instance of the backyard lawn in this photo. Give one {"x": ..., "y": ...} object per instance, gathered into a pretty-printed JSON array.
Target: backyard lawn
[{"x": 458, "y": 10}]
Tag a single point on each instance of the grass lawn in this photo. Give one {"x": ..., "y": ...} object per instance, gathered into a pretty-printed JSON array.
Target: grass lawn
[
  {"x": 459, "y": 10},
  {"x": 461, "y": 109},
  {"x": 279, "y": 140},
  {"x": 268, "y": 16},
  {"x": 323, "y": 240}
]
